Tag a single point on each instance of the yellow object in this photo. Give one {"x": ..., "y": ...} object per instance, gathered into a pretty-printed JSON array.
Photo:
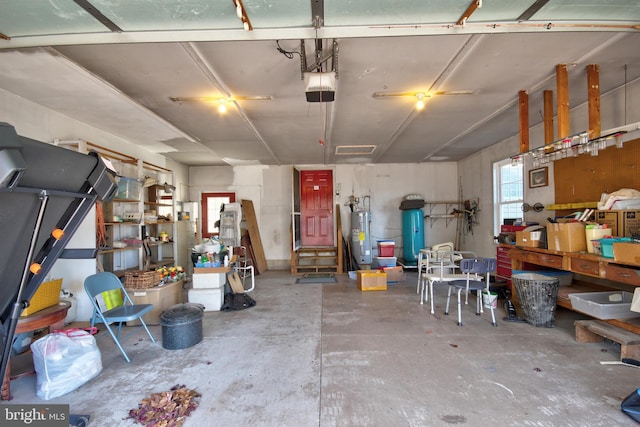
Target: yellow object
[
  {"x": 372, "y": 280},
  {"x": 48, "y": 294},
  {"x": 578, "y": 205}
]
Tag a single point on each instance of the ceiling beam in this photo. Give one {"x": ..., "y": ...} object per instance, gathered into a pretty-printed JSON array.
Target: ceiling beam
[
  {"x": 562, "y": 88},
  {"x": 593, "y": 91},
  {"x": 467, "y": 13},
  {"x": 317, "y": 12},
  {"x": 523, "y": 102},
  {"x": 532, "y": 10},
  {"x": 93, "y": 11},
  {"x": 312, "y": 33}
]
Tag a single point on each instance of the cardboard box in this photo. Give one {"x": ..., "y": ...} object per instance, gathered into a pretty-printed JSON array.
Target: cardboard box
[
  {"x": 622, "y": 223},
  {"x": 211, "y": 270},
  {"x": 394, "y": 274},
  {"x": 566, "y": 237},
  {"x": 630, "y": 223},
  {"x": 530, "y": 239},
  {"x": 627, "y": 252},
  {"x": 612, "y": 218},
  {"x": 372, "y": 280},
  {"x": 162, "y": 297}
]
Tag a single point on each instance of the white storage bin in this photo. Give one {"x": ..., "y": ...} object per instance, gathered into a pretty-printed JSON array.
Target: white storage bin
[
  {"x": 212, "y": 299},
  {"x": 604, "y": 305},
  {"x": 209, "y": 280}
]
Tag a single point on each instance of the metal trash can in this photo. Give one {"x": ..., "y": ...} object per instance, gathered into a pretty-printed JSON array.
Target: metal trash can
[
  {"x": 538, "y": 296},
  {"x": 181, "y": 326}
]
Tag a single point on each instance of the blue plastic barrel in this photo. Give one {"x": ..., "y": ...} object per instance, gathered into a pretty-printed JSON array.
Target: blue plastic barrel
[{"x": 412, "y": 235}]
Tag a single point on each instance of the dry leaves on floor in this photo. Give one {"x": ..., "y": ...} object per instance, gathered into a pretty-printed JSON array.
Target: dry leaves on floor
[{"x": 166, "y": 409}]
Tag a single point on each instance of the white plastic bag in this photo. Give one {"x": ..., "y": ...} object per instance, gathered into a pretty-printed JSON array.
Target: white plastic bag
[{"x": 64, "y": 361}]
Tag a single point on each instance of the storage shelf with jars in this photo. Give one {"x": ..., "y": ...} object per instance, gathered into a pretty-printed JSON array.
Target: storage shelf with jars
[
  {"x": 142, "y": 186},
  {"x": 118, "y": 232},
  {"x": 159, "y": 224}
]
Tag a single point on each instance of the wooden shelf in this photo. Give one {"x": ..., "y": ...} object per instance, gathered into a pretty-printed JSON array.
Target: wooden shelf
[
  {"x": 161, "y": 263},
  {"x": 169, "y": 205},
  {"x": 125, "y": 201},
  {"x": 112, "y": 250}
]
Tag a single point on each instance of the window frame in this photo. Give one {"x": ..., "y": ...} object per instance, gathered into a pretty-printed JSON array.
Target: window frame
[
  {"x": 204, "y": 197},
  {"x": 499, "y": 190}
]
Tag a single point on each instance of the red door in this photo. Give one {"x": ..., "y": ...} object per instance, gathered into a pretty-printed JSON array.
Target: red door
[{"x": 316, "y": 191}]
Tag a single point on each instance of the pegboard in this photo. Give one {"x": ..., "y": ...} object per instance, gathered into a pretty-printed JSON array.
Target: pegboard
[{"x": 585, "y": 178}]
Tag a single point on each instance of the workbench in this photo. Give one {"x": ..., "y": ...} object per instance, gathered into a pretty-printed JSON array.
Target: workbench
[{"x": 612, "y": 273}]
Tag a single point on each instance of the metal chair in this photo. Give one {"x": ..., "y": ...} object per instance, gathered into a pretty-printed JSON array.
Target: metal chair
[
  {"x": 475, "y": 270},
  {"x": 125, "y": 311},
  {"x": 438, "y": 256}
]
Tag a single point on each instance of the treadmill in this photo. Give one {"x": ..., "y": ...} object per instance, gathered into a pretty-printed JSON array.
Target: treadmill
[{"x": 45, "y": 193}]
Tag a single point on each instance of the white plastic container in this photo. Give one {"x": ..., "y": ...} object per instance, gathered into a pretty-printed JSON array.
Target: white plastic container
[
  {"x": 208, "y": 280},
  {"x": 211, "y": 299},
  {"x": 604, "y": 305}
]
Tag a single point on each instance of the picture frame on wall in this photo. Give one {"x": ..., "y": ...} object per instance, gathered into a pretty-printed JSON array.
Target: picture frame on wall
[{"x": 539, "y": 177}]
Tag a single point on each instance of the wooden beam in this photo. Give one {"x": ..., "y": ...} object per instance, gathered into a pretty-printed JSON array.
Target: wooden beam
[
  {"x": 548, "y": 116},
  {"x": 467, "y": 13},
  {"x": 339, "y": 239},
  {"x": 562, "y": 83},
  {"x": 523, "y": 100},
  {"x": 254, "y": 235},
  {"x": 593, "y": 90}
]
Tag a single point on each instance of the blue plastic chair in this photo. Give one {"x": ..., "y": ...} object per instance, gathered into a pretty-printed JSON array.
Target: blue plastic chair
[
  {"x": 474, "y": 269},
  {"x": 98, "y": 283}
]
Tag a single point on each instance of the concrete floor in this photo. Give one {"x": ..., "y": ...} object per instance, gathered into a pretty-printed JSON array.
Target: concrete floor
[{"x": 330, "y": 355}]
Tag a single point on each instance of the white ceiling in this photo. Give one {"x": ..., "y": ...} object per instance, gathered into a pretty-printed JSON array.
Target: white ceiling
[{"x": 119, "y": 75}]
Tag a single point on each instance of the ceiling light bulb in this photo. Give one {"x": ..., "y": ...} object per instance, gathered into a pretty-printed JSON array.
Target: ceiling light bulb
[
  {"x": 222, "y": 108},
  {"x": 419, "y": 104}
]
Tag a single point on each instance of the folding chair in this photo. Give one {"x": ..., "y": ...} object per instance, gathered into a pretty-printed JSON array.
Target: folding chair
[
  {"x": 125, "y": 311},
  {"x": 474, "y": 269}
]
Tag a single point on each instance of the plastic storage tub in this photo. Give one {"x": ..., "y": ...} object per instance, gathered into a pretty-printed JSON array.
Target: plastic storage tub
[
  {"x": 604, "y": 305},
  {"x": 386, "y": 248},
  {"x": 211, "y": 298},
  {"x": 538, "y": 296},
  {"x": 606, "y": 245},
  {"x": 386, "y": 261},
  {"x": 128, "y": 188}
]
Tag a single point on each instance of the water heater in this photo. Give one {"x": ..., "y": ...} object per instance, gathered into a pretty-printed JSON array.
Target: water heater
[{"x": 361, "y": 236}]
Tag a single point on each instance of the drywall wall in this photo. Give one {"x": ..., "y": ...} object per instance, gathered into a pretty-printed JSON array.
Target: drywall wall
[{"x": 380, "y": 189}]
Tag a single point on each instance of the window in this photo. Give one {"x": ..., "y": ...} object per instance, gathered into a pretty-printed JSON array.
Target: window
[
  {"x": 211, "y": 204},
  {"x": 508, "y": 192}
]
